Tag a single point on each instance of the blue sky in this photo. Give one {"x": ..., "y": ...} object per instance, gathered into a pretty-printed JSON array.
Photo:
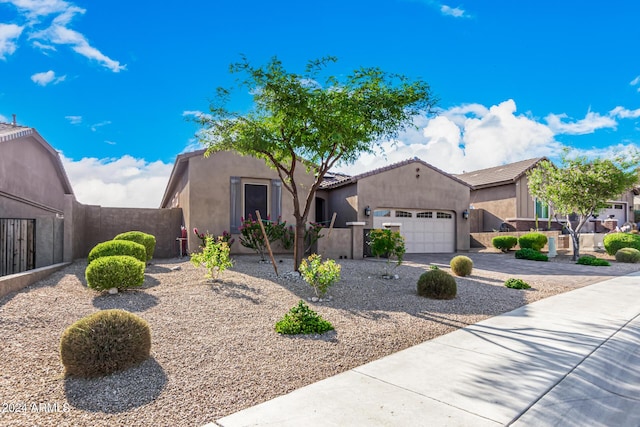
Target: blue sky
[{"x": 111, "y": 85}]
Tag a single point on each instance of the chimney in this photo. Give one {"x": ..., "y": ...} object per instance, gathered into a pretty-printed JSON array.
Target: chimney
[{"x": 14, "y": 120}]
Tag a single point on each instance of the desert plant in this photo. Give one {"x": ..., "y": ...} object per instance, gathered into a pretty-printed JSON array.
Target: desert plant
[
  {"x": 434, "y": 267},
  {"x": 214, "y": 256},
  {"x": 531, "y": 254},
  {"x": 104, "y": 342},
  {"x": 535, "y": 241},
  {"x": 613, "y": 242},
  {"x": 312, "y": 235},
  {"x": 504, "y": 243},
  {"x": 302, "y": 320},
  {"x": 591, "y": 260},
  {"x": 116, "y": 271},
  {"x": 287, "y": 237},
  {"x": 251, "y": 234},
  {"x": 630, "y": 255},
  {"x": 320, "y": 275},
  {"x": 461, "y": 265},
  {"x": 390, "y": 244},
  {"x": 118, "y": 247},
  {"x": 146, "y": 240},
  {"x": 437, "y": 284},
  {"x": 516, "y": 284}
]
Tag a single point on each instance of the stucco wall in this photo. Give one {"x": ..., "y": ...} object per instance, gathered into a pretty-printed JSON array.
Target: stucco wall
[
  {"x": 337, "y": 244},
  {"x": 497, "y": 204},
  {"x": 344, "y": 202}
]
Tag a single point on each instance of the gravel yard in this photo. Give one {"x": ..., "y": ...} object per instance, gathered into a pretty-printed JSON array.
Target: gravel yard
[{"x": 214, "y": 350}]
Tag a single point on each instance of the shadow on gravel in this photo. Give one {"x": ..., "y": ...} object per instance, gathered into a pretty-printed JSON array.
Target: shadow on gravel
[
  {"x": 134, "y": 301},
  {"x": 235, "y": 290},
  {"x": 118, "y": 392}
]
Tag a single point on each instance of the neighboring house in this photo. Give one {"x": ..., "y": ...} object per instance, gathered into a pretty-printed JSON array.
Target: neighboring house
[
  {"x": 33, "y": 189},
  {"x": 500, "y": 200},
  {"x": 424, "y": 203}
]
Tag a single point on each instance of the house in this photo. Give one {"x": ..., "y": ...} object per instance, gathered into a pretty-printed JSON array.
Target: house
[
  {"x": 427, "y": 205},
  {"x": 500, "y": 200},
  {"x": 33, "y": 190}
]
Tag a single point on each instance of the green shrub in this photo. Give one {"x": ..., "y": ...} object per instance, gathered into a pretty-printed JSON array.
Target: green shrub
[
  {"x": 591, "y": 260},
  {"x": 118, "y": 247},
  {"x": 461, "y": 265},
  {"x": 104, "y": 342},
  {"x": 146, "y": 240},
  {"x": 117, "y": 271},
  {"x": 214, "y": 256},
  {"x": 387, "y": 243},
  {"x": 613, "y": 242},
  {"x": 504, "y": 243},
  {"x": 531, "y": 254},
  {"x": 320, "y": 275},
  {"x": 630, "y": 255},
  {"x": 434, "y": 267},
  {"x": 516, "y": 284},
  {"x": 437, "y": 284},
  {"x": 535, "y": 241},
  {"x": 302, "y": 320}
]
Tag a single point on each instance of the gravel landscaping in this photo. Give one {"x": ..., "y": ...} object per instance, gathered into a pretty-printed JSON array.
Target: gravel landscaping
[{"x": 214, "y": 350}]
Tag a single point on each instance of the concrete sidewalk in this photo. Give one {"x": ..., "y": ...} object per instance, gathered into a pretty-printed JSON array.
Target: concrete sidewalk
[{"x": 571, "y": 360}]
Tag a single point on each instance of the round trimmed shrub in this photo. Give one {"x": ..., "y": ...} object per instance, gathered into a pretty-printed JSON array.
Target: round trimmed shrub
[
  {"x": 531, "y": 254},
  {"x": 117, "y": 271},
  {"x": 105, "y": 342},
  {"x": 613, "y": 242},
  {"x": 535, "y": 241},
  {"x": 146, "y": 240},
  {"x": 461, "y": 265},
  {"x": 118, "y": 247},
  {"x": 437, "y": 284},
  {"x": 630, "y": 255},
  {"x": 504, "y": 243}
]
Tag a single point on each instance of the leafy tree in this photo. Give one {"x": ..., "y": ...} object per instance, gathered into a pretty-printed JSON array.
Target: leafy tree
[
  {"x": 582, "y": 187},
  {"x": 295, "y": 118}
]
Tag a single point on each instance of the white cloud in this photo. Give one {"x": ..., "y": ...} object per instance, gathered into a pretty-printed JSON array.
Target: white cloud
[
  {"x": 9, "y": 34},
  {"x": 591, "y": 122},
  {"x": 624, "y": 113},
  {"x": 47, "y": 77},
  {"x": 456, "y": 12},
  {"x": 118, "y": 182},
  {"x": 95, "y": 127},
  {"x": 74, "y": 120},
  {"x": 3, "y": 119},
  {"x": 635, "y": 81},
  {"x": 110, "y": 142},
  {"x": 58, "y": 31},
  {"x": 197, "y": 114}
]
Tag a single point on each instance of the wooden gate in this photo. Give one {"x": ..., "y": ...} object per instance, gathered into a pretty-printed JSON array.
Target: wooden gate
[{"x": 17, "y": 245}]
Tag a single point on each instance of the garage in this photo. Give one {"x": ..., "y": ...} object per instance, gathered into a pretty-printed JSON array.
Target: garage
[{"x": 424, "y": 231}]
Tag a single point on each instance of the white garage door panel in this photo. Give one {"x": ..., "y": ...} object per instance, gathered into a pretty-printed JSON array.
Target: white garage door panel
[{"x": 422, "y": 235}]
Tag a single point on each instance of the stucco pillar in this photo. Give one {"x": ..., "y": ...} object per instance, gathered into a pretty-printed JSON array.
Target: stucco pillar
[
  {"x": 67, "y": 241},
  {"x": 357, "y": 239}
]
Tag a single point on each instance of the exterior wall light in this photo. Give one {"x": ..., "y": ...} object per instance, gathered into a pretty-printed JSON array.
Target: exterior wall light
[
  {"x": 465, "y": 214},
  {"x": 367, "y": 211}
]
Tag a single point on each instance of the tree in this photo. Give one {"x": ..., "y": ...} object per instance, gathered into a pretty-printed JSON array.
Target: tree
[
  {"x": 297, "y": 120},
  {"x": 582, "y": 187}
]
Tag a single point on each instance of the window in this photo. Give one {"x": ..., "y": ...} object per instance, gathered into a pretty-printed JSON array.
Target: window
[
  {"x": 443, "y": 215},
  {"x": 382, "y": 212},
  {"x": 424, "y": 215},
  {"x": 542, "y": 209},
  {"x": 403, "y": 214},
  {"x": 249, "y": 195},
  {"x": 256, "y": 198}
]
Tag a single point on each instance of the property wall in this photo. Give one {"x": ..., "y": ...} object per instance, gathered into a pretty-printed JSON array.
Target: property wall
[
  {"x": 497, "y": 204},
  {"x": 337, "y": 244},
  {"x": 344, "y": 202}
]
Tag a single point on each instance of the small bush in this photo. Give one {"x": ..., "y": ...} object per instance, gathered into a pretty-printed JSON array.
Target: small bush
[
  {"x": 504, "y": 243},
  {"x": 117, "y": 271},
  {"x": 630, "y": 255},
  {"x": 387, "y": 243},
  {"x": 461, "y": 265},
  {"x": 302, "y": 320},
  {"x": 104, "y": 342},
  {"x": 146, "y": 240},
  {"x": 516, "y": 284},
  {"x": 118, "y": 247},
  {"x": 214, "y": 256},
  {"x": 434, "y": 267},
  {"x": 437, "y": 284},
  {"x": 531, "y": 254},
  {"x": 320, "y": 275},
  {"x": 591, "y": 260},
  {"x": 613, "y": 242},
  {"x": 535, "y": 241}
]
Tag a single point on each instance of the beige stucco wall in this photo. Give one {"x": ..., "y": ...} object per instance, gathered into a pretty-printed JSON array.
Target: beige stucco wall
[
  {"x": 497, "y": 204},
  {"x": 208, "y": 193},
  {"x": 343, "y": 201}
]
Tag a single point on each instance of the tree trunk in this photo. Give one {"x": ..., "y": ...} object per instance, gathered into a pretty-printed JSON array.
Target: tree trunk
[
  {"x": 575, "y": 238},
  {"x": 298, "y": 248}
]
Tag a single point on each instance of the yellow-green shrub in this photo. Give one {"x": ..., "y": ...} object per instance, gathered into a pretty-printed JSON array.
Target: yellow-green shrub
[
  {"x": 146, "y": 240},
  {"x": 461, "y": 265},
  {"x": 117, "y": 271},
  {"x": 118, "y": 247}
]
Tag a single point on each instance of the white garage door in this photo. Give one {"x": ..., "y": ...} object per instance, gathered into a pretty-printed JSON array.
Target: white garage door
[
  {"x": 618, "y": 210},
  {"x": 424, "y": 231}
]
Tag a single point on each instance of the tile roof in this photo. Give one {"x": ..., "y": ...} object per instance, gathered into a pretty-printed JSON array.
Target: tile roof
[
  {"x": 499, "y": 175},
  {"x": 9, "y": 131}
]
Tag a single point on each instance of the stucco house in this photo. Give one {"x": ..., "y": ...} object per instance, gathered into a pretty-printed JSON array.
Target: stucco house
[
  {"x": 427, "y": 205},
  {"x": 500, "y": 200},
  {"x": 33, "y": 190}
]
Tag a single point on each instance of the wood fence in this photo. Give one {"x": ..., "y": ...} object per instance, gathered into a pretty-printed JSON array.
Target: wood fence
[{"x": 17, "y": 245}]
